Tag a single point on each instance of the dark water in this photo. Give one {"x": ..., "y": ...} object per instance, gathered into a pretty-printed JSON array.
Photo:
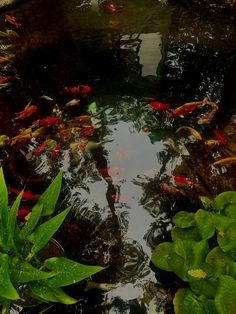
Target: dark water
[{"x": 147, "y": 49}]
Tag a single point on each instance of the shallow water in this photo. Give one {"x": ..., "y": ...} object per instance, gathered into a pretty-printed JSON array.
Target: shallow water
[{"x": 169, "y": 53}]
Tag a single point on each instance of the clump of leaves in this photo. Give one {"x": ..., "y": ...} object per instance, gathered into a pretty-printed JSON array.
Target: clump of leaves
[
  {"x": 21, "y": 266},
  {"x": 203, "y": 253}
]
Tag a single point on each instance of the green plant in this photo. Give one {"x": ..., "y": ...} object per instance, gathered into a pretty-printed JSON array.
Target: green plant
[
  {"x": 203, "y": 253},
  {"x": 22, "y": 270}
]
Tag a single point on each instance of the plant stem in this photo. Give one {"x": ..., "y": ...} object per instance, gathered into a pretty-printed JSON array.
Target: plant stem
[{"x": 6, "y": 305}]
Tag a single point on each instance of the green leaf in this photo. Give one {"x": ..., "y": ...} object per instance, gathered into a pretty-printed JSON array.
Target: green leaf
[
  {"x": 222, "y": 222},
  {"x": 45, "y": 231},
  {"x": 218, "y": 261},
  {"x": 42, "y": 291},
  {"x": 3, "y": 211},
  {"x": 30, "y": 225},
  {"x": 206, "y": 202},
  {"x": 50, "y": 196},
  {"x": 191, "y": 233},
  {"x": 230, "y": 210},
  {"x": 24, "y": 272},
  {"x": 12, "y": 220},
  {"x": 7, "y": 289},
  {"x": 92, "y": 107},
  {"x": 186, "y": 302},
  {"x": 68, "y": 271},
  {"x": 162, "y": 254},
  {"x": 227, "y": 238},
  {"x": 225, "y": 299},
  {"x": 224, "y": 199},
  {"x": 184, "y": 219},
  {"x": 231, "y": 269},
  {"x": 206, "y": 287},
  {"x": 205, "y": 223}
]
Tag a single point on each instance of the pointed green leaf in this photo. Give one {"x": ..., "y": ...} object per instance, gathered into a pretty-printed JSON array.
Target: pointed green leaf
[
  {"x": 50, "y": 196},
  {"x": 225, "y": 299},
  {"x": 43, "y": 292},
  {"x": 206, "y": 287},
  {"x": 30, "y": 225},
  {"x": 68, "y": 271},
  {"x": 45, "y": 231},
  {"x": 162, "y": 254},
  {"x": 184, "y": 219},
  {"x": 12, "y": 220},
  {"x": 24, "y": 272},
  {"x": 6, "y": 287},
  {"x": 224, "y": 199},
  {"x": 3, "y": 210},
  {"x": 206, "y": 202}
]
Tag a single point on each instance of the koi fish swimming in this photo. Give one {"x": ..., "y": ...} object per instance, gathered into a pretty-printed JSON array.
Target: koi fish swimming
[
  {"x": 192, "y": 131},
  {"x": 158, "y": 106},
  {"x": 11, "y": 20},
  {"x": 26, "y": 195},
  {"x": 28, "y": 111},
  {"x": 77, "y": 90},
  {"x": 181, "y": 180}
]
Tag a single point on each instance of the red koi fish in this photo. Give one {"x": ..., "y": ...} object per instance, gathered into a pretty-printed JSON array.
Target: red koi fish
[
  {"x": 219, "y": 137},
  {"x": 170, "y": 189},
  {"x": 26, "y": 195},
  {"x": 186, "y": 108},
  {"x": 77, "y": 90},
  {"x": 55, "y": 152},
  {"x": 28, "y": 111},
  {"x": 48, "y": 121},
  {"x": 86, "y": 131},
  {"x": 39, "y": 149},
  {"x": 22, "y": 212},
  {"x": 119, "y": 198},
  {"x": 156, "y": 105},
  {"x": 4, "y": 79},
  {"x": 109, "y": 6},
  {"x": 182, "y": 180},
  {"x": 11, "y": 20}
]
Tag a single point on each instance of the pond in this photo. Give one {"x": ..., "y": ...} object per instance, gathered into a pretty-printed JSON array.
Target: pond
[{"x": 122, "y": 151}]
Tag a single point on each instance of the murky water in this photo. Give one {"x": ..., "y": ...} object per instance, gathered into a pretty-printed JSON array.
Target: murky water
[{"x": 121, "y": 210}]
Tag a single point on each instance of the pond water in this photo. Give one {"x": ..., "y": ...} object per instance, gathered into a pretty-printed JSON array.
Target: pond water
[{"x": 121, "y": 186}]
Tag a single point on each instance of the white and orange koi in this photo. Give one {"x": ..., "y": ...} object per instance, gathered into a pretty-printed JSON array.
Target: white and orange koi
[
  {"x": 192, "y": 131},
  {"x": 225, "y": 161}
]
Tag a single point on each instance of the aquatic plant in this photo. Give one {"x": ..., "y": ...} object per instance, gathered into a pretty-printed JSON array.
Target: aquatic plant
[
  {"x": 23, "y": 271},
  {"x": 203, "y": 254}
]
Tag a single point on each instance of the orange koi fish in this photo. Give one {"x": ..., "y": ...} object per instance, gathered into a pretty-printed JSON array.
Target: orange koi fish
[
  {"x": 211, "y": 142},
  {"x": 11, "y": 20},
  {"x": 48, "y": 121},
  {"x": 78, "y": 90},
  {"x": 182, "y": 180},
  {"x": 156, "y": 105},
  {"x": 26, "y": 195},
  {"x": 39, "y": 149},
  {"x": 86, "y": 131},
  {"x": 225, "y": 161},
  {"x": 28, "y": 111},
  {"x": 170, "y": 189},
  {"x": 4, "y": 79},
  {"x": 192, "y": 131},
  {"x": 206, "y": 117},
  {"x": 109, "y": 7},
  {"x": 219, "y": 137},
  {"x": 6, "y": 58},
  {"x": 186, "y": 108}
]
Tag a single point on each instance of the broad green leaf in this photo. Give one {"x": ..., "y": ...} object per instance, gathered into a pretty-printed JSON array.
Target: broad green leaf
[
  {"x": 191, "y": 266},
  {"x": 3, "y": 210},
  {"x": 231, "y": 269},
  {"x": 225, "y": 299},
  {"x": 162, "y": 254},
  {"x": 45, "y": 231},
  {"x": 206, "y": 287},
  {"x": 42, "y": 291},
  {"x": 24, "y": 272},
  {"x": 205, "y": 223},
  {"x": 222, "y": 222},
  {"x": 184, "y": 219},
  {"x": 92, "y": 107},
  {"x": 7, "y": 289},
  {"x": 191, "y": 233},
  {"x": 30, "y": 225},
  {"x": 218, "y": 261},
  {"x": 50, "y": 196},
  {"x": 230, "y": 210},
  {"x": 186, "y": 302},
  {"x": 68, "y": 271},
  {"x": 224, "y": 199},
  {"x": 227, "y": 238},
  {"x": 12, "y": 220}
]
